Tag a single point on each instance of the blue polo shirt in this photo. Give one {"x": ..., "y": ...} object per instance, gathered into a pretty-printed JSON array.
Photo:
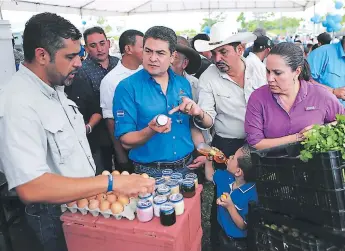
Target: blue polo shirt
[
  {"x": 327, "y": 65},
  {"x": 240, "y": 197},
  {"x": 138, "y": 99}
]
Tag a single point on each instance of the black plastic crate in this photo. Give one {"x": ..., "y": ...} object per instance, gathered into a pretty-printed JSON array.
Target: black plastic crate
[{"x": 313, "y": 190}]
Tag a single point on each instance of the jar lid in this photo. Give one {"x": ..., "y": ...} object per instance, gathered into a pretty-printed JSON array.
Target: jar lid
[
  {"x": 172, "y": 183},
  {"x": 188, "y": 182},
  {"x": 142, "y": 204},
  {"x": 177, "y": 176},
  {"x": 159, "y": 200},
  {"x": 162, "y": 119},
  {"x": 145, "y": 196},
  {"x": 160, "y": 180},
  {"x": 167, "y": 172},
  {"x": 163, "y": 189},
  {"x": 191, "y": 175},
  {"x": 174, "y": 198},
  {"x": 167, "y": 208}
]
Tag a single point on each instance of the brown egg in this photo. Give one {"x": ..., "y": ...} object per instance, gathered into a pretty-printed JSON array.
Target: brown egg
[
  {"x": 145, "y": 175},
  {"x": 111, "y": 198},
  {"x": 83, "y": 203},
  {"x": 91, "y": 198},
  {"x": 123, "y": 199},
  {"x": 105, "y": 205},
  {"x": 111, "y": 192},
  {"x": 71, "y": 204},
  {"x": 115, "y": 173},
  {"x": 100, "y": 197},
  {"x": 125, "y": 173},
  {"x": 105, "y": 172},
  {"x": 93, "y": 204},
  {"x": 116, "y": 208}
]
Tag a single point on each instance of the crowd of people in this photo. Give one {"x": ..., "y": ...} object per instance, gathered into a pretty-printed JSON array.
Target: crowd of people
[{"x": 63, "y": 120}]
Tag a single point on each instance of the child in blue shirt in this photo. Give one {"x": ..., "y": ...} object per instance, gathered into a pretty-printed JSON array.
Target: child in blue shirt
[{"x": 234, "y": 192}]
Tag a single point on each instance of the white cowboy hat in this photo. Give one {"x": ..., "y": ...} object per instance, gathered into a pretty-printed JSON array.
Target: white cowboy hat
[{"x": 220, "y": 35}]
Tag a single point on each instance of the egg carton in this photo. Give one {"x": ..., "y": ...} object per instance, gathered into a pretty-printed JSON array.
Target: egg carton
[{"x": 128, "y": 210}]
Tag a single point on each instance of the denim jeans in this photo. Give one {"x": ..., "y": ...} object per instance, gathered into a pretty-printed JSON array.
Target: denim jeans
[
  {"x": 157, "y": 172},
  {"x": 44, "y": 220}
]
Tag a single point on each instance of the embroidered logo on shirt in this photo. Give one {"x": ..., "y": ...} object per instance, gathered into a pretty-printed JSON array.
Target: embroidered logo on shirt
[
  {"x": 120, "y": 113},
  {"x": 310, "y": 108},
  {"x": 181, "y": 92}
]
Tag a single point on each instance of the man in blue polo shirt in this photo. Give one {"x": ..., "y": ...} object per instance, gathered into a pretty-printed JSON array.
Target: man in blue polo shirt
[
  {"x": 327, "y": 65},
  {"x": 140, "y": 98}
]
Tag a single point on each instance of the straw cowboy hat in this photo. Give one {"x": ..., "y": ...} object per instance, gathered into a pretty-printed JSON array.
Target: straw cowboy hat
[{"x": 222, "y": 34}]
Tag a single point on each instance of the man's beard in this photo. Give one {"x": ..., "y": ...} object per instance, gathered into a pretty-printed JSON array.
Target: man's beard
[{"x": 222, "y": 66}]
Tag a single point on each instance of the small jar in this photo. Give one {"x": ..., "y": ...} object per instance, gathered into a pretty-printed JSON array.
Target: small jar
[
  {"x": 167, "y": 214},
  {"x": 174, "y": 186},
  {"x": 194, "y": 177},
  {"x": 161, "y": 120},
  {"x": 144, "y": 210},
  {"x": 166, "y": 173},
  {"x": 188, "y": 188},
  {"x": 177, "y": 200},
  {"x": 146, "y": 196},
  {"x": 157, "y": 202},
  {"x": 178, "y": 177},
  {"x": 163, "y": 190}
]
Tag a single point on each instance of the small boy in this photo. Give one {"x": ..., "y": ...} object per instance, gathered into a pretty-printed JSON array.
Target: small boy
[{"x": 234, "y": 194}]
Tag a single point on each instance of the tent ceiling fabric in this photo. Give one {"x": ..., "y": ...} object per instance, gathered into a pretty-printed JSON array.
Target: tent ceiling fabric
[{"x": 131, "y": 7}]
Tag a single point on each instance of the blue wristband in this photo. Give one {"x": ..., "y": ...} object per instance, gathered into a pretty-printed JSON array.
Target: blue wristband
[{"x": 110, "y": 183}]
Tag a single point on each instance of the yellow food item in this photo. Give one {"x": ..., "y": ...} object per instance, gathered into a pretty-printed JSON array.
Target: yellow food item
[
  {"x": 105, "y": 172},
  {"x": 116, "y": 208},
  {"x": 145, "y": 175},
  {"x": 223, "y": 197},
  {"x": 115, "y": 173},
  {"x": 93, "y": 204},
  {"x": 123, "y": 199},
  {"x": 125, "y": 173},
  {"x": 105, "y": 205},
  {"x": 111, "y": 198},
  {"x": 82, "y": 203}
]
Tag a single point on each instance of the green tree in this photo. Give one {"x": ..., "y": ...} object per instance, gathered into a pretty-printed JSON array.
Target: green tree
[
  {"x": 189, "y": 33},
  {"x": 242, "y": 20},
  {"x": 284, "y": 24},
  {"x": 103, "y": 22},
  {"x": 211, "y": 20}
]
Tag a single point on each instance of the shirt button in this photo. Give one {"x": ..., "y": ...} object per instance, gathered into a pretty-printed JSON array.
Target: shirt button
[
  {"x": 175, "y": 153},
  {"x": 174, "y": 137},
  {"x": 161, "y": 92}
]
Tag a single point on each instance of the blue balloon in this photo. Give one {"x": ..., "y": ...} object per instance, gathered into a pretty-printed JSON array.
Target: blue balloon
[
  {"x": 312, "y": 19},
  {"x": 325, "y": 23},
  {"x": 207, "y": 30},
  {"x": 329, "y": 29},
  {"x": 337, "y": 27},
  {"x": 331, "y": 24},
  {"x": 83, "y": 22},
  {"x": 337, "y": 18},
  {"x": 338, "y": 5},
  {"x": 329, "y": 17}
]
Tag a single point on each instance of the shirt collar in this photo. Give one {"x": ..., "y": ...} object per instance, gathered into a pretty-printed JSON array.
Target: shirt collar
[
  {"x": 244, "y": 188},
  {"x": 148, "y": 76},
  {"x": 301, "y": 95},
  {"x": 44, "y": 87},
  {"x": 226, "y": 76},
  {"x": 340, "y": 49},
  {"x": 112, "y": 62}
]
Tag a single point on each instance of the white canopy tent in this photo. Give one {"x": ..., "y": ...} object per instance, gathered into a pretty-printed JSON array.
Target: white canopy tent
[{"x": 132, "y": 7}]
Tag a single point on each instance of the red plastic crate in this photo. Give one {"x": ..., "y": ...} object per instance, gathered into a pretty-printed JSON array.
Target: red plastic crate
[{"x": 90, "y": 233}]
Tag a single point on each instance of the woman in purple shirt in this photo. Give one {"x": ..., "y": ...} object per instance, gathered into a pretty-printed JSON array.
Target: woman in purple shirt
[{"x": 280, "y": 112}]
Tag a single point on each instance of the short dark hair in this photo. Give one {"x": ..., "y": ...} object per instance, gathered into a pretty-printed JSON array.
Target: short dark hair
[
  {"x": 162, "y": 33},
  {"x": 183, "y": 41},
  {"x": 235, "y": 44},
  {"x": 324, "y": 38},
  {"x": 128, "y": 37},
  {"x": 93, "y": 30},
  {"x": 47, "y": 31},
  {"x": 200, "y": 36},
  {"x": 245, "y": 163},
  {"x": 293, "y": 57}
]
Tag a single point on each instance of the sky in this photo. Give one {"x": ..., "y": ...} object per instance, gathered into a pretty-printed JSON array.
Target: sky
[{"x": 176, "y": 21}]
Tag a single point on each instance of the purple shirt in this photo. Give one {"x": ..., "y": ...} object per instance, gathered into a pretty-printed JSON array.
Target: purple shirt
[{"x": 265, "y": 117}]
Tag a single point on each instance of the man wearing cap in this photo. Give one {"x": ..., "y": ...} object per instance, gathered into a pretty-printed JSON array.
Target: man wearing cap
[
  {"x": 327, "y": 65},
  {"x": 261, "y": 48},
  {"x": 259, "y": 32}
]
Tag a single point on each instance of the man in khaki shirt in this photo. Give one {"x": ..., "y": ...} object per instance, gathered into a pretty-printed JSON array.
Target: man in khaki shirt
[{"x": 44, "y": 152}]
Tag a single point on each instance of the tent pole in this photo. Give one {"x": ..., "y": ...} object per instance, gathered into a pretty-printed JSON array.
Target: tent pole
[
  {"x": 1, "y": 16},
  {"x": 314, "y": 27}
]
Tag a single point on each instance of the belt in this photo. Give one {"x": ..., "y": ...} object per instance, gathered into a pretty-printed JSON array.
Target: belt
[{"x": 181, "y": 163}]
